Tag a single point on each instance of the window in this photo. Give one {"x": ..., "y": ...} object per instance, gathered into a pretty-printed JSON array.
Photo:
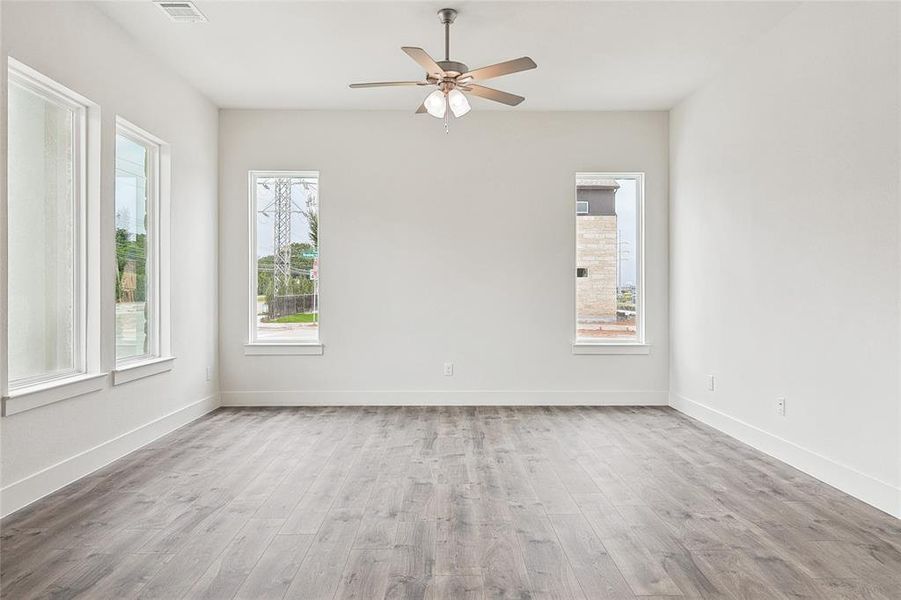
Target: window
[
  {"x": 47, "y": 216},
  {"x": 138, "y": 296},
  {"x": 609, "y": 258},
  {"x": 284, "y": 297}
]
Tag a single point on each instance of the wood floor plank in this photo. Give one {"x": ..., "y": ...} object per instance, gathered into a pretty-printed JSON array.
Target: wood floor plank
[
  {"x": 448, "y": 502},
  {"x": 227, "y": 573},
  {"x": 594, "y": 568},
  {"x": 503, "y": 566},
  {"x": 273, "y": 573},
  {"x": 322, "y": 569},
  {"x": 366, "y": 574},
  {"x": 458, "y": 587}
]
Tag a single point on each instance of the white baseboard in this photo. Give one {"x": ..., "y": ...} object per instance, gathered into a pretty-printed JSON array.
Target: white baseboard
[
  {"x": 444, "y": 398},
  {"x": 875, "y": 492},
  {"x": 21, "y": 493}
]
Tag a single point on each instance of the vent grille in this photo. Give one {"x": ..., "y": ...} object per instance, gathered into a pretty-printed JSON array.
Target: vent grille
[{"x": 181, "y": 12}]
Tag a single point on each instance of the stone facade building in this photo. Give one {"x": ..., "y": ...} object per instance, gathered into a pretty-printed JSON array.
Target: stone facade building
[{"x": 596, "y": 250}]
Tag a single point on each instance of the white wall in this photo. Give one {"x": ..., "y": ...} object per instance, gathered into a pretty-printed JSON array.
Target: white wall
[
  {"x": 785, "y": 247},
  {"x": 439, "y": 248},
  {"x": 79, "y": 47}
]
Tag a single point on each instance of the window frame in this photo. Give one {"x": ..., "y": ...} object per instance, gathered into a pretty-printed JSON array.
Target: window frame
[
  {"x": 47, "y": 89},
  {"x": 159, "y": 359},
  {"x": 254, "y": 346},
  {"x": 87, "y": 376},
  {"x": 153, "y": 296},
  {"x": 638, "y": 344}
]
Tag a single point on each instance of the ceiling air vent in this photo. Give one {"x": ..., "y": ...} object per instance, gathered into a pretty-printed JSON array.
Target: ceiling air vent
[{"x": 181, "y": 12}]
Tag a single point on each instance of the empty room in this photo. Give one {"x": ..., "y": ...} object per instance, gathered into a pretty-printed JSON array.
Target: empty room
[{"x": 429, "y": 300}]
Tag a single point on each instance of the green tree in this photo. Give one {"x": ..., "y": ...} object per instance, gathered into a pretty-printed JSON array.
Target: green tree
[
  {"x": 131, "y": 250},
  {"x": 312, "y": 214}
]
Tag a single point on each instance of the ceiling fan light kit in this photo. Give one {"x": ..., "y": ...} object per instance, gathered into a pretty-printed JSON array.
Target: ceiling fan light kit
[
  {"x": 458, "y": 103},
  {"x": 452, "y": 78},
  {"x": 436, "y": 104}
]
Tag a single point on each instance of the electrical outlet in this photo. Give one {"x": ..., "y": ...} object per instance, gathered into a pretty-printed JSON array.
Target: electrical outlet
[
  {"x": 209, "y": 373},
  {"x": 711, "y": 383},
  {"x": 780, "y": 406},
  {"x": 448, "y": 369}
]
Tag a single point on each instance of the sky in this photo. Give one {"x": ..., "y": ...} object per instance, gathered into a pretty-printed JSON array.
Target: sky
[
  {"x": 626, "y": 224},
  {"x": 300, "y": 229},
  {"x": 130, "y": 186}
]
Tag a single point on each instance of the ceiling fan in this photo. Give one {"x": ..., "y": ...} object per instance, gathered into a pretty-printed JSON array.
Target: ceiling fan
[{"x": 453, "y": 78}]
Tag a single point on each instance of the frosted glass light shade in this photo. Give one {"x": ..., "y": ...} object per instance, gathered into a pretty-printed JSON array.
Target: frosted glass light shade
[
  {"x": 459, "y": 105},
  {"x": 436, "y": 104}
]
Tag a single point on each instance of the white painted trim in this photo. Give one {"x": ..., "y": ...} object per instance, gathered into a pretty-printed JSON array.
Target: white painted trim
[
  {"x": 144, "y": 368},
  {"x": 587, "y": 348},
  {"x": 641, "y": 313},
  {"x": 158, "y": 238},
  {"x": 259, "y": 349},
  {"x": 21, "y": 493},
  {"x": 48, "y": 392},
  {"x": 867, "y": 488},
  {"x": 252, "y": 176},
  {"x": 86, "y": 219},
  {"x": 444, "y": 398},
  {"x": 4, "y": 230}
]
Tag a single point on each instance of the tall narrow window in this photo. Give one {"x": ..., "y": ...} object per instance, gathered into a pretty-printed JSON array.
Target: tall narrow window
[
  {"x": 137, "y": 281},
  {"x": 46, "y": 251},
  {"x": 285, "y": 268},
  {"x": 609, "y": 258}
]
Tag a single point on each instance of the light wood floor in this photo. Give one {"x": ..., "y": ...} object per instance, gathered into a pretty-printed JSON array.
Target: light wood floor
[{"x": 449, "y": 503}]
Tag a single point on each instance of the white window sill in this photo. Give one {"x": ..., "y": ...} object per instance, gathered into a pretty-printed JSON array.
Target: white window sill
[
  {"x": 259, "y": 349},
  {"x": 589, "y": 348},
  {"x": 145, "y": 368},
  {"x": 49, "y": 392}
]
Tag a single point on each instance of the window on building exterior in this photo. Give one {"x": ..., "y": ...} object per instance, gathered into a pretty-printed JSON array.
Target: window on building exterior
[
  {"x": 608, "y": 257},
  {"x": 285, "y": 269},
  {"x": 46, "y": 224},
  {"x": 137, "y": 245}
]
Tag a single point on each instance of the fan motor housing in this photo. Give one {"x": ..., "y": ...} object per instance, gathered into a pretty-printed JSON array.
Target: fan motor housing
[{"x": 452, "y": 67}]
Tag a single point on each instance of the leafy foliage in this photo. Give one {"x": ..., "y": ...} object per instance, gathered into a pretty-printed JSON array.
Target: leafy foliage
[
  {"x": 300, "y": 271},
  {"x": 131, "y": 250}
]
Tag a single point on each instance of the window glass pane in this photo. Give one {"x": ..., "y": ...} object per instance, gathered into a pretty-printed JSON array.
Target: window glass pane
[
  {"x": 606, "y": 258},
  {"x": 43, "y": 335},
  {"x": 287, "y": 259},
  {"x": 132, "y": 250}
]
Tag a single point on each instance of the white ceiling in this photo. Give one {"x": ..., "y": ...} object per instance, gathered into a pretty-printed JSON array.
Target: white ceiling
[{"x": 590, "y": 55}]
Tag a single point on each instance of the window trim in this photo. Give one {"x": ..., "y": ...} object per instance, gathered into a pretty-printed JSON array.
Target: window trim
[
  {"x": 638, "y": 344},
  {"x": 158, "y": 233},
  {"x": 86, "y": 271},
  {"x": 145, "y": 368},
  {"x": 253, "y": 346},
  {"x": 38, "y": 395}
]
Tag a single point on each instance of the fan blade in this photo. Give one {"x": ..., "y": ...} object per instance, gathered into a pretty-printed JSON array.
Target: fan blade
[
  {"x": 423, "y": 58},
  {"x": 387, "y": 84},
  {"x": 493, "y": 94},
  {"x": 421, "y": 109},
  {"x": 505, "y": 68}
]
